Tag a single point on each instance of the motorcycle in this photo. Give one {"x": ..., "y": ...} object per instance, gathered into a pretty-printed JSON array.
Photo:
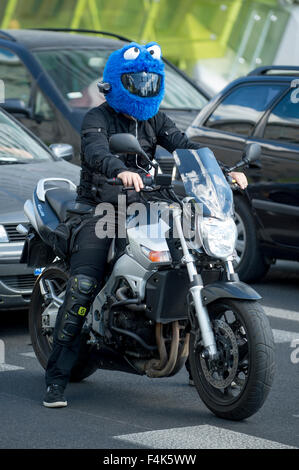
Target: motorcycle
[{"x": 166, "y": 297}]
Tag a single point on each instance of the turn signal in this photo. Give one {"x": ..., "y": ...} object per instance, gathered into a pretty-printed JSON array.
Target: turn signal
[{"x": 156, "y": 256}]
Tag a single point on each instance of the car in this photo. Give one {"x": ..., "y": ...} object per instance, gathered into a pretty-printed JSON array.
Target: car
[
  {"x": 51, "y": 77},
  {"x": 262, "y": 107},
  {"x": 24, "y": 160}
]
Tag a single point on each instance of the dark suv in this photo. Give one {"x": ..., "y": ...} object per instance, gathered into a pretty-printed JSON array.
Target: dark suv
[
  {"x": 51, "y": 77},
  {"x": 262, "y": 107}
]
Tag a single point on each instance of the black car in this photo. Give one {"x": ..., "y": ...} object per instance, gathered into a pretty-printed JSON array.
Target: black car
[
  {"x": 262, "y": 107},
  {"x": 51, "y": 80}
]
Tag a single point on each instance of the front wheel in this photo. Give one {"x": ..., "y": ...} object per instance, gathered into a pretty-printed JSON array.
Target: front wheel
[{"x": 236, "y": 385}]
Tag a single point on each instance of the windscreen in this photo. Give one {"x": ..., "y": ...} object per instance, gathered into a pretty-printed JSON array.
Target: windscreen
[{"x": 204, "y": 180}]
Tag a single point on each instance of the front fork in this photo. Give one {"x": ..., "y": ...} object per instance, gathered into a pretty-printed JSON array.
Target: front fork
[{"x": 201, "y": 310}]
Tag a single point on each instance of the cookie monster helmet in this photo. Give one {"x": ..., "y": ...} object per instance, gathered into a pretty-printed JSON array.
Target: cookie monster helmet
[{"x": 136, "y": 77}]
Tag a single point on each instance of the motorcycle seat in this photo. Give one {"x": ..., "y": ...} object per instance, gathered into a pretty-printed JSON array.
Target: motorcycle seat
[{"x": 61, "y": 201}]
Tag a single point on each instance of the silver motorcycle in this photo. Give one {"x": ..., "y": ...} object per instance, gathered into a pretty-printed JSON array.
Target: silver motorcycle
[{"x": 170, "y": 291}]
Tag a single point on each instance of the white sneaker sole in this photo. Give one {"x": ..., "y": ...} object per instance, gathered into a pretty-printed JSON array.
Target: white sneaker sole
[{"x": 56, "y": 404}]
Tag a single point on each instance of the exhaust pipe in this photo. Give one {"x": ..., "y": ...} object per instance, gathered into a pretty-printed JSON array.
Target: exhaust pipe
[{"x": 121, "y": 295}]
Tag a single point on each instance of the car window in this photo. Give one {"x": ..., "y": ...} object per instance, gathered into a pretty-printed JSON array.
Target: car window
[
  {"x": 42, "y": 107},
  {"x": 76, "y": 73},
  {"x": 283, "y": 121},
  {"x": 16, "y": 146},
  {"x": 179, "y": 93},
  {"x": 17, "y": 79},
  {"x": 240, "y": 111}
]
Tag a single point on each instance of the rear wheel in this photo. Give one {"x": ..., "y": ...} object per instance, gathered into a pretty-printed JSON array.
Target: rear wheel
[
  {"x": 236, "y": 385},
  {"x": 42, "y": 315},
  {"x": 251, "y": 264}
]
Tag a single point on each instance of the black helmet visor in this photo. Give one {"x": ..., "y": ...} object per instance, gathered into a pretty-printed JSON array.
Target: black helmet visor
[{"x": 145, "y": 84}]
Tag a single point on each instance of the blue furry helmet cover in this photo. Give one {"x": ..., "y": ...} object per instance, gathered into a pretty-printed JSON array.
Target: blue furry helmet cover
[{"x": 137, "y": 80}]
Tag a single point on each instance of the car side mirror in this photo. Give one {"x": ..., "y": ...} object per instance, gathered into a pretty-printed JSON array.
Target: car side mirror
[
  {"x": 252, "y": 153},
  {"x": 62, "y": 151},
  {"x": 16, "y": 106}
]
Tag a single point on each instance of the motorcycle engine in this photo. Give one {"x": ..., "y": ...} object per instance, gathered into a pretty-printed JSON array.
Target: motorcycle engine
[{"x": 137, "y": 323}]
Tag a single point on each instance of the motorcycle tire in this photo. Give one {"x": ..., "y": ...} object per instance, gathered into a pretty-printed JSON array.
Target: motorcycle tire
[
  {"x": 252, "y": 266},
  {"x": 236, "y": 386}
]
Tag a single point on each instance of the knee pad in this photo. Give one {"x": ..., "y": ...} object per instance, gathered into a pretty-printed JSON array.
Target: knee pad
[{"x": 80, "y": 294}]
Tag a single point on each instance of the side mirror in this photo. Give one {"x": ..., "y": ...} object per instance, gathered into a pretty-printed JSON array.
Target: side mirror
[
  {"x": 125, "y": 143},
  {"x": 62, "y": 151},
  {"x": 16, "y": 106},
  {"x": 252, "y": 153}
]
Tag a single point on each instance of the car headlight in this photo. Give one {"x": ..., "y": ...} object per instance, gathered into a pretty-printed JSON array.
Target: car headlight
[
  {"x": 3, "y": 235},
  {"x": 218, "y": 236}
]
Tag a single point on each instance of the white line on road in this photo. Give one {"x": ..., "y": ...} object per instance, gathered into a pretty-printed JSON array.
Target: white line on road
[
  {"x": 199, "y": 437},
  {"x": 29, "y": 354},
  {"x": 8, "y": 367},
  {"x": 3, "y": 366},
  {"x": 282, "y": 313},
  {"x": 282, "y": 336}
]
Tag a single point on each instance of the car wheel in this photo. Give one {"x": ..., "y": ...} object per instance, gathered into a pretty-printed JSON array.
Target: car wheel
[{"x": 251, "y": 264}]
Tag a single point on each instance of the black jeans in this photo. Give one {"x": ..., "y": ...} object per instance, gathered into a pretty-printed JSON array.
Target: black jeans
[{"x": 90, "y": 259}]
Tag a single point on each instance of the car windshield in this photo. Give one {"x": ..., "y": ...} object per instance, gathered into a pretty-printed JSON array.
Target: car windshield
[
  {"x": 76, "y": 73},
  {"x": 204, "y": 180},
  {"x": 16, "y": 146}
]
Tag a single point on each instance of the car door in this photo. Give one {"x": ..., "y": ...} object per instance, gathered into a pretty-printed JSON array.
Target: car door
[
  {"x": 275, "y": 194},
  {"x": 234, "y": 119}
]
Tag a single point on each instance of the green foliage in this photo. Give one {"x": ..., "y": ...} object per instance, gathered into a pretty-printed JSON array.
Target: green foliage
[{"x": 188, "y": 30}]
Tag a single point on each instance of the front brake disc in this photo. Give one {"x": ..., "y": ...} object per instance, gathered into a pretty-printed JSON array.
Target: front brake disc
[{"x": 221, "y": 373}]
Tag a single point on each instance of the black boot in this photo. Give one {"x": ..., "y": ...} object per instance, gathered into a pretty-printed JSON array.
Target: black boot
[{"x": 54, "y": 397}]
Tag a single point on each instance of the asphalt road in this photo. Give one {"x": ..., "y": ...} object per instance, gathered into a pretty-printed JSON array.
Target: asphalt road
[{"x": 113, "y": 410}]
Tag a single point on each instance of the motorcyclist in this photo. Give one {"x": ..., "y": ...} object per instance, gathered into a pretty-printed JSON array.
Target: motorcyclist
[{"x": 134, "y": 78}]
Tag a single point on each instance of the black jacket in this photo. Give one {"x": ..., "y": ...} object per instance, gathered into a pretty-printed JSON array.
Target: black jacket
[{"x": 97, "y": 127}]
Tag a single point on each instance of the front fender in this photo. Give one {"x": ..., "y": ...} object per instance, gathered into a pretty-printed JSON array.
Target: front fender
[{"x": 228, "y": 290}]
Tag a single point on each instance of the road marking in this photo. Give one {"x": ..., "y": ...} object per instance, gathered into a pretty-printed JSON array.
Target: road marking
[
  {"x": 282, "y": 314},
  {"x": 3, "y": 366},
  {"x": 7, "y": 367},
  {"x": 29, "y": 354},
  {"x": 199, "y": 437},
  {"x": 282, "y": 336}
]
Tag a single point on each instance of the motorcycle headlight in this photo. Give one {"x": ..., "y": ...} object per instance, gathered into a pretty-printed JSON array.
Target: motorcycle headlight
[
  {"x": 218, "y": 236},
  {"x": 3, "y": 235}
]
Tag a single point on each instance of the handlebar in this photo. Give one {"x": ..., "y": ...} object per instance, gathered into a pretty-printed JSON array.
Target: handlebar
[
  {"x": 232, "y": 182},
  {"x": 147, "y": 180}
]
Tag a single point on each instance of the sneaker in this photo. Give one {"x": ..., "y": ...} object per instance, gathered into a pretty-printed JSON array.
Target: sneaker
[
  {"x": 191, "y": 382},
  {"x": 54, "y": 397}
]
